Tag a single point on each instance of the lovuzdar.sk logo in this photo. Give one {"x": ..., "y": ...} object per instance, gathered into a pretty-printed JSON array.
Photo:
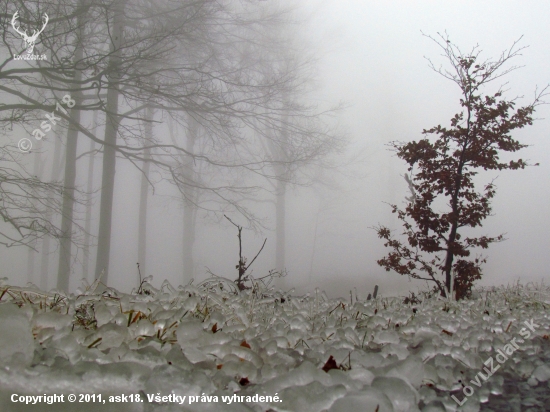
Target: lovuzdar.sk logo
[{"x": 30, "y": 41}]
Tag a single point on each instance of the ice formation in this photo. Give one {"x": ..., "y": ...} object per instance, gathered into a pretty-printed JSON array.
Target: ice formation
[{"x": 312, "y": 353}]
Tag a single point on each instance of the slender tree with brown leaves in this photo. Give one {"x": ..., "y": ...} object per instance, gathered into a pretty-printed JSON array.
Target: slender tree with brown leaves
[{"x": 445, "y": 167}]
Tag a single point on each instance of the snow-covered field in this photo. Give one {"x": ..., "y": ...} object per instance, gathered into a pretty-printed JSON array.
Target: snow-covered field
[{"x": 211, "y": 348}]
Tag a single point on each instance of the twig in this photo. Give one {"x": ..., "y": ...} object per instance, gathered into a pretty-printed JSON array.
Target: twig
[
  {"x": 241, "y": 266},
  {"x": 140, "y": 290},
  {"x": 260, "y": 251}
]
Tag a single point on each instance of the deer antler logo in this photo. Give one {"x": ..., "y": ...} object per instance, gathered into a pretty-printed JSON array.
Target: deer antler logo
[{"x": 29, "y": 40}]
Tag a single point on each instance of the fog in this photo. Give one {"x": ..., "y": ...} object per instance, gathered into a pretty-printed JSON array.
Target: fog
[{"x": 371, "y": 56}]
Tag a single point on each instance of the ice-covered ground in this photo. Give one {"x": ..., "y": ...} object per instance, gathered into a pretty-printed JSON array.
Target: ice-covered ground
[{"x": 261, "y": 350}]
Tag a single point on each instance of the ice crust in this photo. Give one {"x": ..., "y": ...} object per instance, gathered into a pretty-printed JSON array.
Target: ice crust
[
  {"x": 16, "y": 340},
  {"x": 198, "y": 340}
]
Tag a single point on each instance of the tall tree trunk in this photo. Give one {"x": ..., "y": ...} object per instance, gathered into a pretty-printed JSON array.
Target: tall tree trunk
[
  {"x": 280, "y": 212},
  {"x": 67, "y": 209},
  {"x": 190, "y": 196},
  {"x": 188, "y": 240},
  {"x": 280, "y": 201},
  {"x": 89, "y": 190},
  {"x": 144, "y": 191},
  {"x": 57, "y": 169},
  {"x": 189, "y": 204},
  {"x": 314, "y": 243},
  {"x": 45, "y": 263},
  {"x": 31, "y": 252},
  {"x": 109, "y": 151}
]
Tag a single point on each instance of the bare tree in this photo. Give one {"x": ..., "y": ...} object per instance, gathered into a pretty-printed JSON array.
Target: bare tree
[{"x": 295, "y": 135}]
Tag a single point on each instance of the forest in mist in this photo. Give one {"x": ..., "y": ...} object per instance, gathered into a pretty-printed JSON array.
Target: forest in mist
[{"x": 153, "y": 133}]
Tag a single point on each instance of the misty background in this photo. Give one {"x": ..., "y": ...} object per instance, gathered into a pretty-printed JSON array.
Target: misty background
[{"x": 371, "y": 57}]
